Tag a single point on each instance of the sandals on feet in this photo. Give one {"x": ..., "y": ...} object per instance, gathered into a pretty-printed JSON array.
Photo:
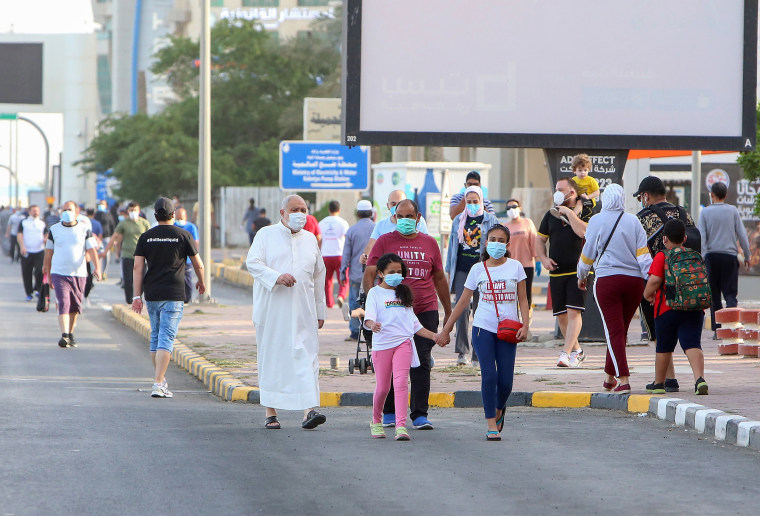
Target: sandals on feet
[
  {"x": 272, "y": 423},
  {"x": 500, "y": 421},
  {"x": 493, "y": 435},
  {"x": 313, "y": 420}
]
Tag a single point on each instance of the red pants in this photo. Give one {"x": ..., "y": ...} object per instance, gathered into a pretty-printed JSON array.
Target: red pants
[
  {"x": 332, "y": 263},
  {"x": 618, "y": 297}
]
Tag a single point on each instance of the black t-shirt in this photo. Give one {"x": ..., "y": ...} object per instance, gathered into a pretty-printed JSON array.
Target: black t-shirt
[
  {"x": 261, "y": 222},
  {"x": 564, "y": 245},
  {"x": 165, "y": 249},
  {"x": 468, "y": 253}
]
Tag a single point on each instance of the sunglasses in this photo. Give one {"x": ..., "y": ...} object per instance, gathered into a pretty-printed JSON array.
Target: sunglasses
[{"x": 511, "y": 206}]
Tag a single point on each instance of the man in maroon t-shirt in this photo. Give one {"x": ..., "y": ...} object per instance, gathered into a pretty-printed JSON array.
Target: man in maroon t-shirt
[{"x": 426, "y": 278}]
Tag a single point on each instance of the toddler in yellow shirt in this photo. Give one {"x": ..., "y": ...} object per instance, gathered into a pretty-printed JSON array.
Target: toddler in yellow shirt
[{"x": 581, "y": 165}]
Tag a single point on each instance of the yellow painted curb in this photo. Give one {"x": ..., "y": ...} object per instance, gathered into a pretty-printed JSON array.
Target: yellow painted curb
[
  {"x": 547, "y": 399},
  {"x": 441, "y": 399},
  {"x": 639, "y": 402},
  {"x": 241, "y": 393},
  {"x": 329, "y": 399}
]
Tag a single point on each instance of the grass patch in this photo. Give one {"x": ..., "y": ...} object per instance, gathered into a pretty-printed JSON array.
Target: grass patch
[
  {"x": 226, "y": 362},
  {"x": 198, "y": 345},
  {"x": 555, "y": 383},
  {"x": 541, "y": 379}
]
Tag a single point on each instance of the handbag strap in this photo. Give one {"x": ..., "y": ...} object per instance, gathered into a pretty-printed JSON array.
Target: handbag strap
[
  {"x": 490, "y": 282},
  {"x": 599, "y": 258}
]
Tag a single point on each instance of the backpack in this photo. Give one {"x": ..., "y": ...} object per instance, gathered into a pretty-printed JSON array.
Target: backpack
[
  {"x": 693, "y": 236},
  {"x": 686, "y": 285}
]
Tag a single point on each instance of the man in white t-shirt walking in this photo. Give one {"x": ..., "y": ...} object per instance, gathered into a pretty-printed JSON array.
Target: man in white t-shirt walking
[
  {"x": 31, "y": 242},
  {"x": 334, "y": 228}
]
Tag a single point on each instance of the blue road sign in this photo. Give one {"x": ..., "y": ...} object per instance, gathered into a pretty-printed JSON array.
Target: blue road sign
[{"x": 323, "y": 166}]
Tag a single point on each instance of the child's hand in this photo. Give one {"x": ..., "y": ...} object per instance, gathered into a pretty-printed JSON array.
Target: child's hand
[
  {"x": 584, "y": 196},
  {"x": 442, "y": 339},
  {"x": 376, "y": 327},
  {"x": 522, "y": 334}
]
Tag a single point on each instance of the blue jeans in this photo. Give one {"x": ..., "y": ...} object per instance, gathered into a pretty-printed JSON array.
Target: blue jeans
[
  {"x": 353, "y": 304},
  {"x": 497, "y": 369},
  {"x": 164, "y": 320}
]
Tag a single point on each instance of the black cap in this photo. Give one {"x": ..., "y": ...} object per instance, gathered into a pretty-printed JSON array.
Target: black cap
[
  {"x": 650, "y": 184},
  {"x": 164, "y": 206}
]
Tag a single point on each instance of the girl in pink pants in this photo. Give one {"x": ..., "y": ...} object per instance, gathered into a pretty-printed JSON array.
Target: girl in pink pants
[{"x": 389, "y": 315}]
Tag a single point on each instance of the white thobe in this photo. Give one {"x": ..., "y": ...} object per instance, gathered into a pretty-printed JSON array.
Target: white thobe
[{"x": 286, "y": 317}]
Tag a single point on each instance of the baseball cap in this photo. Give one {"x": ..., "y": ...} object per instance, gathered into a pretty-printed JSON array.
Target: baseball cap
[
  {"x": 364, "y": 205},
  {"x": 164, "y": 206},
  {"x": 650, "y": 184}
]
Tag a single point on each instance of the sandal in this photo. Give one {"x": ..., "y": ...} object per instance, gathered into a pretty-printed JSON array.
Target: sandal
[
  {"x": 493, "y": 435},
  {"x": 272, "y": 423},
  {"x": 313, "y": 420},
  {"x": 500, "y": 421}
]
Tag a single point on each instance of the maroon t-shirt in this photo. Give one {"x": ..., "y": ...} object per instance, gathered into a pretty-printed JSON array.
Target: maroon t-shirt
[{"x": 422, "y": 258}]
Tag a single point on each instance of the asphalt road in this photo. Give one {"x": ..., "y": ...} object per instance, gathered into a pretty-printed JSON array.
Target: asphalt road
[{"x": 79, "y": 434}]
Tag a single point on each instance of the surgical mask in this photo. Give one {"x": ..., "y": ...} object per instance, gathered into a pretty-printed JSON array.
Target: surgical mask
[
  {"x": 101, "y": 207},
  {"x": 296, "y": 221},
  {"x": 67, "y": 216},
  {"x": 181, "y": 222},
  {"x": 473, "y": 209},
  {"x": 134, "y": 215},
  {"x": 393, "y": 211},
  {"x": 393, "y": 280},
  {"x": 513, "y": 212},
  {"x": 121, "y": 217},
  {"x": 496, "y": 249},
  {"x": 559, "y": 198},
  {"x": 406, "y": 226}
]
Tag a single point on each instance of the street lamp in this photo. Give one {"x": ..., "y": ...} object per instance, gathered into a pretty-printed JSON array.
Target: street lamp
[{"x": 204, "y": 150}]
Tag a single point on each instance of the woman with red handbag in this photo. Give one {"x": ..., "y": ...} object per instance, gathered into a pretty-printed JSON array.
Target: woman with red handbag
[{"x": 496, "y": 328}]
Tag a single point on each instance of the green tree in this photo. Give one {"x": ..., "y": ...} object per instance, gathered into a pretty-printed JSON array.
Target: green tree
[
  {"x": 750, "y": 163},
  {"x": 256, "y": 87}
]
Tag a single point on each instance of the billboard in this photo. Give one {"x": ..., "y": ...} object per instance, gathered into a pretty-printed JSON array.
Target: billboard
[
  {"x": 576, "y": 74},
  {"x": 20, "y": 73},
  {"x": 323, "y": 166}
]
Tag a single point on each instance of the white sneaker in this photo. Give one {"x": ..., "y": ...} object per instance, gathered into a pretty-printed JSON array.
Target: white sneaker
[
  {"x": 564, "y": 359},
  {"x": 345, "y": 309},
  {"x": 161, "y": 390},
  {"x": 576, "y": 357}
]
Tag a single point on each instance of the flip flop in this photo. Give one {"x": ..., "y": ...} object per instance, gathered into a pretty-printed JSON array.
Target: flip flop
[
  {"x": 272, "y": 423},
  {"x": 500, "y": 421},
  {"x": 313, "y": 420},
  {"x": 493, "y": 435}
]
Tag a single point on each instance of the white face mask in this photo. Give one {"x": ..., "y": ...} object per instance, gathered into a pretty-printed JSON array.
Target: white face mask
[
  {"x": 134, "y": 215},
  {"x": 296, "y": 221},
  {"x": 513, "y": 212},
  {"x": 559, "y": 198}
]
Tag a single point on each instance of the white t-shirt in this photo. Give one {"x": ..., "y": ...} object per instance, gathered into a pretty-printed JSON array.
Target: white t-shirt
[
  {"x": 505, "y": 278},
  {"x": 69, "y": 244},
  {"x": 398, "y": 322},
  {"x": 333, "y": 235},
  {"x": 33, "y": 231}
]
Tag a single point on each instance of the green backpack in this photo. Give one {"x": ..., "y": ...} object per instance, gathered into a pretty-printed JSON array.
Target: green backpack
[{"x": 686, "y": 285}]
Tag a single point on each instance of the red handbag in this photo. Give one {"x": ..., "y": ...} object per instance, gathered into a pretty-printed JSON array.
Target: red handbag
[{"x": 507, "y": 329}]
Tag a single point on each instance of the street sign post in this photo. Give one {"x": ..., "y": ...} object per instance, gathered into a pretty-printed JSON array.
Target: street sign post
[{"x": 318, "y": 166}]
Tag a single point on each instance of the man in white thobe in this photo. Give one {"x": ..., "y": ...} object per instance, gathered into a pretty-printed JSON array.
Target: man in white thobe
[{"x": 288, "y": 309}]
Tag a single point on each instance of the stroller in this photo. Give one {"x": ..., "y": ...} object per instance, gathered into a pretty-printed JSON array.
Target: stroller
[{"x": 365, "y": 337}]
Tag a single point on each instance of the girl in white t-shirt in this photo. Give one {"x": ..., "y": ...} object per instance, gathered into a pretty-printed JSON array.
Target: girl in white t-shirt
[
  {"x": 497, "y": 357},
  {"x": 389, "y": 314}
]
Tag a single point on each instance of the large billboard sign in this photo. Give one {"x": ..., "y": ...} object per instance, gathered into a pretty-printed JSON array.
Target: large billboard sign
[{"x": 574, "y": 74}]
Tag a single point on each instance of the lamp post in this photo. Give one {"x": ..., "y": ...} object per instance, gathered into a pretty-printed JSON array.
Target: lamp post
[
  {"x": 204, "y": 150},
  {"x": 48, "y": 182},
  {"x": 14, "y": 177}
]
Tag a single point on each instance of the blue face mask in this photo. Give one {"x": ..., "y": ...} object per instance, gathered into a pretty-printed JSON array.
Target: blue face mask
[
  {"x": 101, "y": 207},
  {"x": 393, "y": 211},
  {"x": 180, "y": 222},
  {"x": 121, "y": 217},
  {"x": 67, "y": 216},
  {"x": 473, "y": 209},
  {"x": 406, "y": 226},
  {"x": 496, "y": 249},
  {"x": 393, "y": 280}
]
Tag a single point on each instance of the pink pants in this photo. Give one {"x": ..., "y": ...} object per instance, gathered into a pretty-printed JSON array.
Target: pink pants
[
  {"x": 332, "y": 264},
  {"x": 395, "y": 363}
]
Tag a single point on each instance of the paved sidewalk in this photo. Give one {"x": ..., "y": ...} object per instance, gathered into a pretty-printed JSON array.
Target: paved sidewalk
[{"x": 226, "y": 337}]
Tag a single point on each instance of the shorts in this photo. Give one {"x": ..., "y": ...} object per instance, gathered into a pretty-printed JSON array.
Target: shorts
[
  {"x": 566, "y": 294},
  {"x": 164, "y": 321},
  {"x": 69, "y": 293},
  {"x": 681, "y": 326}
]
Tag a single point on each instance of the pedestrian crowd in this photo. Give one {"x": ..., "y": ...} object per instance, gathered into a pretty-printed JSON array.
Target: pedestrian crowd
[{"x": 393, "y": 282}]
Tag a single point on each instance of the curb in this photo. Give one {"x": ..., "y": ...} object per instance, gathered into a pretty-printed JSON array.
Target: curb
[{"x": 729, "y": 428}]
